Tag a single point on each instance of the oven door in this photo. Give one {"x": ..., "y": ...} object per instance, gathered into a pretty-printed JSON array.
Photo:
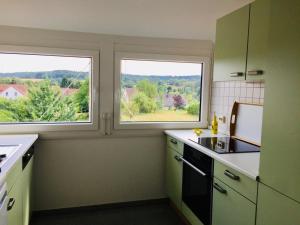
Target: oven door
[{"x": 197, "y": 184}]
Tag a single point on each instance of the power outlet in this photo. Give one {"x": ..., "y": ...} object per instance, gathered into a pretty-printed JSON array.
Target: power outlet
[{"x": 222, "y": 119}]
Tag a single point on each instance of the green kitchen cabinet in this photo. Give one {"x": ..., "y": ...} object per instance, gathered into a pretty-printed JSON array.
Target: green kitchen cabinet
[
  {"x": 258, "y": 39},
  {"x": 276, "y": 209},
  {"x": 231, "y": 46},
  {"x": 230, "y": 207},
  {"x": 174, "y": 177},
  {"x": 14, "y": 206},
  {"x": 27, "y": 192},
  {"x": 280, "y": 152}
]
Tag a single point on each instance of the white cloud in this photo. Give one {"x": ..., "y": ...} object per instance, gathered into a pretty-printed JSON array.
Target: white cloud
[
  {"x": 158, "y": 68},
  {"x": 10, "y": 63}
]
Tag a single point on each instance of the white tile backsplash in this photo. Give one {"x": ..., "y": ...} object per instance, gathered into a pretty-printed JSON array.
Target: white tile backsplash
[{"x": 225, "y": 93}]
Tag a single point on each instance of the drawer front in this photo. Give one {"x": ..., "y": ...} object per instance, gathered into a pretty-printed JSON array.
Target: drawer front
[
  {"x": 13, "y": 174},
  {"x": 231, "y": 208},
  {"x": 239, "y": 182},
  {"x": 175, "y": 144}
]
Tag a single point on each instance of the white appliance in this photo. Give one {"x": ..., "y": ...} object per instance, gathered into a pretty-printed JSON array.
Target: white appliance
[{"x": 3, "y": 201}]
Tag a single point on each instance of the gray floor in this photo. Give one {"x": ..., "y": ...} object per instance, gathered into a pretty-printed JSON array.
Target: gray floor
[{"x": 158, "y": 214}]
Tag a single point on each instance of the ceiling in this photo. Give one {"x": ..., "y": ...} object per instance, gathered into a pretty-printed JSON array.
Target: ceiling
[{"x": 191, "y": 19}]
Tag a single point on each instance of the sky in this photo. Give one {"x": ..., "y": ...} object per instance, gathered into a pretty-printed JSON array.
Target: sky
[
  {"x": 10, "y": 63},
  {"x": 158, "y": 68}
]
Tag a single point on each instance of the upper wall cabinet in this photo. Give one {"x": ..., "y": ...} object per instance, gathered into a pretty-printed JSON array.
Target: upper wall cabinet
[
  {"x": 241, "y": 43},
  {"x": 231, "y": 46},
  {"x": 258, "y": 39}
]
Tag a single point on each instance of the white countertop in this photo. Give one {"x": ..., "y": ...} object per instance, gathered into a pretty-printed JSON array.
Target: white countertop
[
  {"x": 24, "y": 142},
  {"x": 246, "y": 163}
]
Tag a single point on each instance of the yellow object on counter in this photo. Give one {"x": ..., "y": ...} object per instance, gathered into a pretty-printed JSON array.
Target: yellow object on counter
[
  {"x": 198, "y": 131},
  {"x": 214, "y": 125}
]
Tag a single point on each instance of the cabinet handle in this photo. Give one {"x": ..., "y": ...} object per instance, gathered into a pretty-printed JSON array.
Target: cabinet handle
[
  {"x": 219, "y": 188},
  {"x": 10, "y": 204},
  {"x": 177, "y": 158},
  {"x": 255, "y": 72},
  {"x": 237, "y": 74},
  {"x": 173, "y": 141},
  {"x": 231, "y": 175}
]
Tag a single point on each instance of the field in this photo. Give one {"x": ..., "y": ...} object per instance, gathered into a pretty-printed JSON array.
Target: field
[{"x": 162, "y": 115}]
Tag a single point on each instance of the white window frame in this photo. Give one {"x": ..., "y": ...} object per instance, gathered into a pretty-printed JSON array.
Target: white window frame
[
  {"x": 59, "y": 126},
  {"x": 161, "y": 57}
]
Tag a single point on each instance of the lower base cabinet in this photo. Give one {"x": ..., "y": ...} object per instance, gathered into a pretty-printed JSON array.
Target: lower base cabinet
[
  {"x": 14, "y": 206},
  {"x": 26, "y": 192},
  {"x": 230, "y": 207},
  {"x": 274, "y": 208},
  {"x": 174, "y": 177}
]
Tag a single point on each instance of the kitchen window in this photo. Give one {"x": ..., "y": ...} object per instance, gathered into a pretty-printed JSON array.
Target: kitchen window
[
  {"x": 46, "y": 89},
  {"x": 160, "y": 91}
]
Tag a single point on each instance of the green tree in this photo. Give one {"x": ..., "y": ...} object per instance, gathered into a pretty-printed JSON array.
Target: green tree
[
  {"x": 14, "y": 110},
  {"x": 82, "y": 97},
  {"x": 193, "y": 108},
  {"x": 144, "y": 103},
  {"x": 129, "y": 108},
  {"x": 46, "y": 103},
  {"x": 148, "y": 88}
]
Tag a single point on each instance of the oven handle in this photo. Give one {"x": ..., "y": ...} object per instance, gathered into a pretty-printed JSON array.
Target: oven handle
[{"x": 192, "y": 166}]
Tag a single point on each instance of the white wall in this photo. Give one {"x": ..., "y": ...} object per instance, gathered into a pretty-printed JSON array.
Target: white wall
[
  {"x": 71, "y": 173},
  {"x": 193, "y": 19},
  {"x": 87, "y": 168}
]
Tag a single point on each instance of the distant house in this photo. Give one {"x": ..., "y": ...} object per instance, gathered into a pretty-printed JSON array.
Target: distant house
[
  {"x": 168, "y": 100},
  {"x": 68, "y": 91},
  {"x": 12, "y": 91},
  {"x": 129, "y": 93}
]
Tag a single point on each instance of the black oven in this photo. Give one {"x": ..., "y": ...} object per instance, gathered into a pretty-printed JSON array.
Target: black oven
[{"x": 197, "y": 183}]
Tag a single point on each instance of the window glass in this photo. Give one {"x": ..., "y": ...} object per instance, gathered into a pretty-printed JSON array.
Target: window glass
[
  {"x": 160, "y": 91},
  {"x": 44, "y": 88}
]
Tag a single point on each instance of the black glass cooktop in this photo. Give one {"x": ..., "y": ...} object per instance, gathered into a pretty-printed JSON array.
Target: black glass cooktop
[{"x": 224, "y": 145}]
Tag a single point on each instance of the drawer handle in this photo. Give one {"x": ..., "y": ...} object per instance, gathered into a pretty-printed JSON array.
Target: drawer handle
[
  {"x": 219, "y": 188},
  {"x": 177, "y": 158},
  {"x": 10, "y": 204},
  {"x": 173, "y": 141},
  {"x": 237, "y": 74},
  {"x": 231, "y": 175}
]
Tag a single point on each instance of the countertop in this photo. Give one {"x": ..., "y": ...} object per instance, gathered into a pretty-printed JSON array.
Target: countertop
[
  {"x": 245, "y": 163},
  {"x": 24, "y": 142}
]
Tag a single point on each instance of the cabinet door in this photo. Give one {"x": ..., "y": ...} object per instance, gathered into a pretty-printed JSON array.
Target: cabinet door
[
  {"x": 174, "y": 177},
  {"x": 276, "y": 209},
  {"x": 26, "y": 191},
  {"x": 15, "y": 203},
  {"x": 258, "y": 39},
  {"x": 231, "y": 208},
  {"x": 231, "y": 46},
  {"x": 279, "y": 162}
]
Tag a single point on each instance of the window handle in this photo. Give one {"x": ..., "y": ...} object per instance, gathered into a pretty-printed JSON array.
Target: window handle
[
  {"x": 255, "y": 72},
  {"x": 106, "y": 118},
  {"x": 237, "y": 74},
  {"x": 231, "y": 175}
]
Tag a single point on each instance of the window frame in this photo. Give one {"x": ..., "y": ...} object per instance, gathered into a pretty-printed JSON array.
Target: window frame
[
  {"x": 15, "y": 127},
  {"x": 206, "y": 79}
]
